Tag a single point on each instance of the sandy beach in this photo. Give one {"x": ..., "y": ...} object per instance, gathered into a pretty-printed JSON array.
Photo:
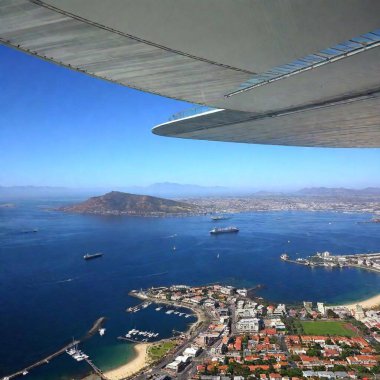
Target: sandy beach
[
  {"x": 133, "y": 366},
  {"x": 366, "y": 304}
]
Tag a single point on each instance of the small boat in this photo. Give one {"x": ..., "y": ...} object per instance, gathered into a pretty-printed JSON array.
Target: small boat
[
  {"x": 217, "y": 256},
  {"x": 170, "y": 312},
  {"x": 71, "y": 351},
  {"x": 102, "y": 331},
  {"x": 174, "y": 248},
  {"x": 30, "y": 231},
  {"x": 89, "y": 256},
  {"x": 25, "y": 372},
  {"x": 158, "y": 308}
]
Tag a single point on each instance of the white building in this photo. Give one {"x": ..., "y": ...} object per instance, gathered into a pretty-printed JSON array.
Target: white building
[
  {"x": 242, "y": 292},
  {"x": 280, "y": 309},
  {"x": 321, "y": 307},
  {"x": 192, "y": 351},
  {"x": 228, "y": 290},
  {"x": 246, "y": 313},
  {"x": 248, "y": 325}
]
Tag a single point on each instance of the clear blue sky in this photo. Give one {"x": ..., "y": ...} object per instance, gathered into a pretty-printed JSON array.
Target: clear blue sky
[{"x": 62, "y": 128}]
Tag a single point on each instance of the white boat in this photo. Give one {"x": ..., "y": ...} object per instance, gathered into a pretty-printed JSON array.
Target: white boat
[
  {"x": 170, "y": 312},
  {"x": 25, "y": 373},
  {"x": 180, "y": 314},
  {"x": 102, "y": 331},
  {"x": 158, "y": 308},
  {"x": 71, "y": 351},
  {"x": 187, "y": 315},
  {"x": 79, "y": 356},
  {"x": 176, "y": 312}
]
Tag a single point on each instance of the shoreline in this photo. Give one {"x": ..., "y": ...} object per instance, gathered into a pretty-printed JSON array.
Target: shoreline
[
  {"x": 367, "y": 303},
  {"x": 133, "y": 366},
  {"x": 200, "y": 314},
  {"x": 141, "y": 360}
]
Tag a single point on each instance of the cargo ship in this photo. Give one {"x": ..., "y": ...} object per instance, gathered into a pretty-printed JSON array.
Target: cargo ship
[
  {"x": 226, "y": 230},
  {"x": 88, "y": 256}
]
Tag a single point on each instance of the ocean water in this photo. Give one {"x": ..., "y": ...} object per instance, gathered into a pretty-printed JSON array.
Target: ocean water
[{"x": 49, "y": 294}]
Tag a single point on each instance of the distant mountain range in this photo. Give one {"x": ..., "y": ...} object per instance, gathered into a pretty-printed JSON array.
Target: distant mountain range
[
  {"x": 340, "y": 192},
  {"x": 176, "y": 190},
  {"x": 119, "y": 203}
]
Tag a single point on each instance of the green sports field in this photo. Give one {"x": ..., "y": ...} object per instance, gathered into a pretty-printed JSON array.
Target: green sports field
[{"x": 326, "y": 328}]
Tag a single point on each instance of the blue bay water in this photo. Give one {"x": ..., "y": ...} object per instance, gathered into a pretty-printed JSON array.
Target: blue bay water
[{"x": 49, "y": 294}]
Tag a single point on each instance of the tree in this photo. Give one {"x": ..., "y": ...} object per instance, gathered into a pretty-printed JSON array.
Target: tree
[{"x": 332, "y": 314}]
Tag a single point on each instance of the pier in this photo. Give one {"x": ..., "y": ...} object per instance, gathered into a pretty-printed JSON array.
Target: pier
[
  {"x": 129, "y": 339},
  {"x": 97, "y": 324},
  {"x": 97, "y": 370},
  {"x": 42, "y": 361}
]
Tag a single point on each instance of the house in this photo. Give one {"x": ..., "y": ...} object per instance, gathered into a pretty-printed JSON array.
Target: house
[{"x": 364, "y": 360}]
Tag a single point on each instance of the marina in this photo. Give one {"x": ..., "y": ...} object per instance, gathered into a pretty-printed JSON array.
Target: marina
[
  {"x": 135, "y": 309},
  {"x": 138, "y": 336}
]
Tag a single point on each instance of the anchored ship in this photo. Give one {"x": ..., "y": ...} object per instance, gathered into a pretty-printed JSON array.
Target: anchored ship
[
  {"x": 88, "y": 256},
  {"x": 219, "y": 217},
  {"x": 226, "y": 230}
]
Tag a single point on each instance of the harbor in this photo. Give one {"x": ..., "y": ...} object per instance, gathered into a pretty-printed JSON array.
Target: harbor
[{"x": 101, "y": 286}]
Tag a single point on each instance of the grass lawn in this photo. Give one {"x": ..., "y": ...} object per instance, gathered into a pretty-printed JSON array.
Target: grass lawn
[
  {"x": 326, "y": 328},
  {"x": 157, "y": 351}
]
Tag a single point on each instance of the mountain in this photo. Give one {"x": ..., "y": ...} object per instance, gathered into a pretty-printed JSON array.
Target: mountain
[
  {"x": 340, "y": 192},
  {"x": 119, "y": 203}
]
